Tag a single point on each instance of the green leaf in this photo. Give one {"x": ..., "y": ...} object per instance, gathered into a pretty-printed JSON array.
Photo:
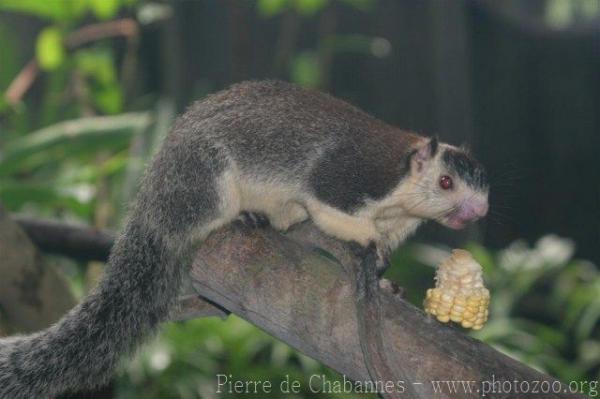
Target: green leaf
[
  {"x": 49, "y": 48},
  {"x": 589, "y": 320},
  {"x": 309, "y": 7},
  {"x": 97, "y": 63},
  {"x": 305, "y": 70},
  {"x": 41, "y": 8},
  {"x": 109, "y": 99},
  {"x": 105, "y": 9},
  {"x": 70, "y": 139},
  {"x": 48, "y": 9},
  {"x": 91, "y": 173},
  {"x": 14, "y": 195},
  {"x": 268, "y": 8}
]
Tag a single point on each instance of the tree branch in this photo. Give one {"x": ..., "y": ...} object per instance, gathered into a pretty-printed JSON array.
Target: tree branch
[
  {"x": 292, "y": 287},
  {"x": 78, "y": 242},
  {"x": 286, "y": 286}
]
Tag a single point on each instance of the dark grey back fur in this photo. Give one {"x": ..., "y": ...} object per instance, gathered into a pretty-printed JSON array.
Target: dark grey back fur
[{"x": 328, "y": 147}]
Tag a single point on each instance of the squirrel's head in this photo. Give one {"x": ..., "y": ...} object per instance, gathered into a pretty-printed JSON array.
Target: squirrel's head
[{"x": 446, "y": 184}]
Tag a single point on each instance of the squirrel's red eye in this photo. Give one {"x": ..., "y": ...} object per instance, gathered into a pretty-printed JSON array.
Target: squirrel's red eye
[{"x": 446, "y": 182}]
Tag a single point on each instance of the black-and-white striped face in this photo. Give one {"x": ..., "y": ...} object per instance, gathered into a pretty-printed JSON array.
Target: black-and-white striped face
[{"x": 448, "y": 185}]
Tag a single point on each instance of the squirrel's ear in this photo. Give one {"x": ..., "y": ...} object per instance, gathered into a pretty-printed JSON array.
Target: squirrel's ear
[
  {"x": 425, "y": 153},
  {"x": 433, "y": 145}
]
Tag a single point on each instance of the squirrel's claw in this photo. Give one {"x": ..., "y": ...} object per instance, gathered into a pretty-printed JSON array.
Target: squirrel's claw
[{"x": 254, "y": 220}]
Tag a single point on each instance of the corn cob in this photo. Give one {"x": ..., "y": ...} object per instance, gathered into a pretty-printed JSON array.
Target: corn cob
[{"x": 459, "y": 294}]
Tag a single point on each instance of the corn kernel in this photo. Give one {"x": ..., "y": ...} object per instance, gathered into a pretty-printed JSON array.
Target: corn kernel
[{"x": 459, "y": 294}]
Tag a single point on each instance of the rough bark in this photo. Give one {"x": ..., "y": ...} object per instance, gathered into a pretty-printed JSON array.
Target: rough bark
[{"x": 290, "y": 288}]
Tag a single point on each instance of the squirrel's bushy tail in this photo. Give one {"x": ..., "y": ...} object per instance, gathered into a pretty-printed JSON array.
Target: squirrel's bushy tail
[
  {"x": 138, "y": 290},
  {"x": 180, "y": 199}
]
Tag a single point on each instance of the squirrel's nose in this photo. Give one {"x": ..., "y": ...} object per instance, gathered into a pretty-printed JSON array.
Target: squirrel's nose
[
  {"x": 480, "y": 208},
  {"x": 474, "y": 209}
]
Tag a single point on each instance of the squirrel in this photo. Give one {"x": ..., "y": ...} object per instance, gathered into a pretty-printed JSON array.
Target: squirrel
[{"x": 268, "y": 147}]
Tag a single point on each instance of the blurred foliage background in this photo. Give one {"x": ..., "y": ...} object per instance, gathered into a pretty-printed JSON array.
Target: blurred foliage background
[{"x": 90, "y": 88}]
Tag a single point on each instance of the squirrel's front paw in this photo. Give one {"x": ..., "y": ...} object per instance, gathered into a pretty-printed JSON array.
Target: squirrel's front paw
[
  {"x": 372, "y": 255},
  {"x": 391, "y": 287},
  {"x": 361, "y": 251},
  {"x": 254, "y": 220},
  {"x": 383, "y": 261}
]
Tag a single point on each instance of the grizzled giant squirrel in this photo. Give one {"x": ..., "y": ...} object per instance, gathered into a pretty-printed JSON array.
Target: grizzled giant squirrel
[{"x": 268, "y": 147}]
